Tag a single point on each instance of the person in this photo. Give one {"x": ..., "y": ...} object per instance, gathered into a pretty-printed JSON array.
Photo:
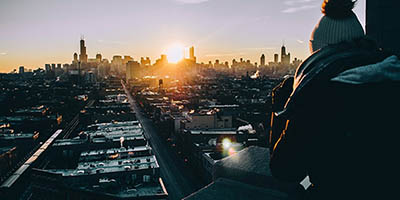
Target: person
[
  {"x": 279, "y": 96},
  {"x": 342, "y": 114}
]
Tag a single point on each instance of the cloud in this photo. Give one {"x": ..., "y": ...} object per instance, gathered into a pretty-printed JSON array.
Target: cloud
[
  {"x": 300, "y": 41},
  {"x": 299, "y": 8},
  {"x": 3, "y": 53},
  {"x": 296, "y": 2},
  {"x": 300, "y": 5},
  {"x": 191, "y": 1}
]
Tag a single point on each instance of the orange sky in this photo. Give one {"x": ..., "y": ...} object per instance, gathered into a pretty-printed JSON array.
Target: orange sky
[{"x": 34, "y": 33}]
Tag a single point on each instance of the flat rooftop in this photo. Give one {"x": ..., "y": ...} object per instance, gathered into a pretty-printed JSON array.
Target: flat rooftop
[
  {"x": 110, "y": 166},
  {"x": 116, "y": 133},
  {"x": 15, "y": 176},
  {"x": 121, "y": 128},
  {"x": 115, "y": 150},
  {"x": 115, "y": 124},
  {"x": 151, "y": 190},
  {"x": 117, "y": 139},
  {"x": 214, "y": 132},
  {"x": 67, "y": 142},
  {"x": 18, "y": 136}
]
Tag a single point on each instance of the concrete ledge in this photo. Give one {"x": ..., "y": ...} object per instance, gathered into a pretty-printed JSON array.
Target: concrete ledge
[
  {"x": 251, "y": 166},
  {"x": 226, "y": 189}
]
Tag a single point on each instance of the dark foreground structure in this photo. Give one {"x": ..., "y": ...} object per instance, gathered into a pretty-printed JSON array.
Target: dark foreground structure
[{"x": 382, "y": 24}]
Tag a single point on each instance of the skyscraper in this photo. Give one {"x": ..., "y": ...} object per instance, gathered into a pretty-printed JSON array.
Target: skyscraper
[
  {"x": 285, "y": 58},
  {"x": 47, "y": 67},
  {"x": 21, "y": 69},
  {"x": 75, "y": 61},
  {"x": 132, "y": 70},
  {"x": 262, "y": 60},
  {"x": 127, "y": 59},
  {"x": 283, "y": 53},
  {"x": 98, "y": 57},
  {"x": 145, "y": 62},
  {"x": 276, "y": 58},
  {"x": 83, "y": 57},
  {"x": 191, "y": 54},
  {"x": 382, "y": 23}
]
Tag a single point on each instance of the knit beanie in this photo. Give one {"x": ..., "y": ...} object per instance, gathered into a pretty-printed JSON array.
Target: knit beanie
[{"x": 338, "y": 24}]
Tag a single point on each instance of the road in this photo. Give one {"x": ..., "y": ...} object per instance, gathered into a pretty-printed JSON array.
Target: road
[{"x": 179, "y": 180}]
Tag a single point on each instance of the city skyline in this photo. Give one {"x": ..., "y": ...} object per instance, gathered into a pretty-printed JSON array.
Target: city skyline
[{"x": 34, "y": 35}]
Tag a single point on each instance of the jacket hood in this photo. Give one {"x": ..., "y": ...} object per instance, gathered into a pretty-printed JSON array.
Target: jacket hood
[{"x": 387, "y": 70}]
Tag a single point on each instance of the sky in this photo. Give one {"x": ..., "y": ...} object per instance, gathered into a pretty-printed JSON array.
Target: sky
[{"x": 33, "y": 33}]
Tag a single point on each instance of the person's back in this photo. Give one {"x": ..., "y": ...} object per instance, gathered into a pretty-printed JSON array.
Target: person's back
[
  {"x": 352, "y": 131},
  {"x": 342, "y": 127},
  {"x": 342, "y": 119}
]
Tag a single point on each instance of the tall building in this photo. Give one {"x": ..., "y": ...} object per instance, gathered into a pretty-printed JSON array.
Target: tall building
[
  {"x": 66, "y": 67},
  {"x": 75, "y": 61},
  {"x": 21, "y": 69},
  {"x": 83, "y": 57},
  {"x": 132, "y": 70},
  {"x": 127, "y": 59},
  {"x": 262, "y": 60},
  {"x": 276, "y": 58},
  {"x": 285, "y": 58},
  {"x": 162, "y": 61},
  {"x": 382, "y": 23},
  {"x": 117, "y": 60},
  {"x": 191, "y": 54},
  {"x": 47, "y": 67},
  {"x": 98, "y": 58},
  {"x": 53, "y": 67},
  {"x": 145, "y": 62}
]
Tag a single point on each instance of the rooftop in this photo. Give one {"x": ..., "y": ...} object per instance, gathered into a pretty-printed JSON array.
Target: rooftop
[
  {"x": 215, "y": 132},
  {"x": 115, "y": 124},
  {"x": 110, "y": 166},
  {"x": 115, "y": 150},
  {"x": 11, "y": 136},
  {"x": 116, "y": 133},
  {"x": 153, "y": 190}
]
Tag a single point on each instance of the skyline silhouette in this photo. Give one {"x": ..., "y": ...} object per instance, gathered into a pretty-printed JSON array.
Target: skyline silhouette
[{"x": 40, "y": 32}]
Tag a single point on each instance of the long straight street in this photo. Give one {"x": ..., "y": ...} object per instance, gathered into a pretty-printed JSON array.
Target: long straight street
[{"x": 179, "y": 180}]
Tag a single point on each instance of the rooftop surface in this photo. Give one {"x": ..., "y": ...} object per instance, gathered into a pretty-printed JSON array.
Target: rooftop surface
[
  {"x": 115, "y": 124},
  {"x": 13, "y": 178},
  {"x": 152, "y": 189},
  {"x": 110, "y": 166},
  {"x": 215, "y": 132},
  {"x": 115, "y": 150},
  {"x": 225, "y": 189}
]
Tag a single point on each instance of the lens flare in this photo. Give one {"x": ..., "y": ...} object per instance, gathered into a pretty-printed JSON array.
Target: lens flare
[
  {"x": 231, "y": 151},
  {"x": 226, "y": 143}
]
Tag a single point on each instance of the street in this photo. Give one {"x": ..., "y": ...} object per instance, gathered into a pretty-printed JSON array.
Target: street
[{"x": 178, "y": 179}]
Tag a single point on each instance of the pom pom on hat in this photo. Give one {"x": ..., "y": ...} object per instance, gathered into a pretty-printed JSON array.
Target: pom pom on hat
[{"x": 338, "y": 9}]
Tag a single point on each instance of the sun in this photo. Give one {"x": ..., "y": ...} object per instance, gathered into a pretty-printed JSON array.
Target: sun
[{"x": 175, "y": 52}]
